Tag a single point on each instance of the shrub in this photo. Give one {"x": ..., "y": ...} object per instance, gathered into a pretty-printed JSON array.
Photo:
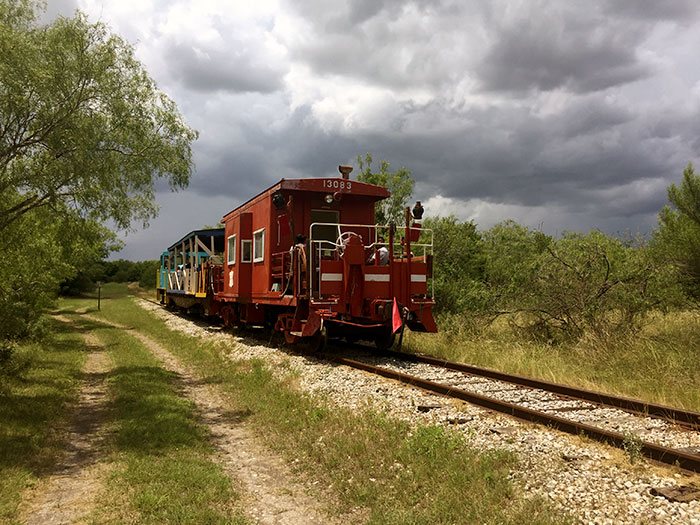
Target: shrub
[
  {"x": 14, "y": 360},
  {"x": 594, "y": 284},
  {"x": 459, "y": 265}
]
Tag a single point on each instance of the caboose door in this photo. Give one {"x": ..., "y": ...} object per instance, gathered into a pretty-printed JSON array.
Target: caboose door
[{"x": 322, "y": 239}]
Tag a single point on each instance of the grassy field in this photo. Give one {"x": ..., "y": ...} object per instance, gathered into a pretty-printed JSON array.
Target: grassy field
[
  {"x": 162, "y": 471},
  {"x": 159, "y": 469},
  {"x": 35, "y": 402},
  {"x": 660, "y": 364},
  {"x": 159, "y": 451},
  {"x": 400, "y": 475}
]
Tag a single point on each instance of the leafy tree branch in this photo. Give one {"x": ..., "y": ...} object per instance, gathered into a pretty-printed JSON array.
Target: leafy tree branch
[{"x": 82, "y": 122}]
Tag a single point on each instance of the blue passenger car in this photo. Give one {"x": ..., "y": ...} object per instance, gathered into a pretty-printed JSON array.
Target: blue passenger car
[{"x": 184, "y": 277}]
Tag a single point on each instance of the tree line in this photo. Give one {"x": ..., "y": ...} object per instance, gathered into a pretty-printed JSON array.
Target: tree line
[
  {"x": 556, "y": 289},
  {"x": 562, "y": 288},
  {"x": 119, "y": 271}
]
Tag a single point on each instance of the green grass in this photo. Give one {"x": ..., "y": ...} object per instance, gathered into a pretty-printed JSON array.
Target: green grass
[
  {"x": 32, "y": 405},
  {"x": 108, "y": 291},
  {"x": 660, "y": 364},
  {"x": 163, "y": 472},
  {"x": 426, "y": 475}
]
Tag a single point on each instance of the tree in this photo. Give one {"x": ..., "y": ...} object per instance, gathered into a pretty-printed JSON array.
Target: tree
[
  {"x": 678, "y": 238},
  {"x": 399, "y": 183},
  {"x": 459, "y": 264},
  {"x": 82, "y": 126},
  {"x": 512, "y": 253},
  {"x": 579, "y": 284},
  {"x": 84, "y": 136},
  {"x": 41, "y": 250},
  {"x": 687, "y": 198}
]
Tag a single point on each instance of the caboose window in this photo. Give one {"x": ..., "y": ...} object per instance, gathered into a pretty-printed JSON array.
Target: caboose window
[
  {"x": 246, "y": 251},
  {"x": 231, "y": 258},
  {"x": 259, "y": 245}
]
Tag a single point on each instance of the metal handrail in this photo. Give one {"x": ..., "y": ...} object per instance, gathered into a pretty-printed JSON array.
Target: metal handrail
[{"x": 317, "y": 246}]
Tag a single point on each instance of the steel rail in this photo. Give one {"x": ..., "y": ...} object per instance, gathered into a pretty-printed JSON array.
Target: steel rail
[
  {"x": 637, "y": 406},
  {"x": 659, "y": 453},
  {"x": 673, "y": 415},
  {"x": 690, "y": 462}
]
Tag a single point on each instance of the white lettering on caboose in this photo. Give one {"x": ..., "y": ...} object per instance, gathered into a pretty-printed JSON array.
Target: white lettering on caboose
[{"x": 337, "y": 184}]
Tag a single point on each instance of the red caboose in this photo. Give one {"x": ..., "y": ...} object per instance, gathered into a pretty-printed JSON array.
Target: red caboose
[{"x": 305, "y": 257}]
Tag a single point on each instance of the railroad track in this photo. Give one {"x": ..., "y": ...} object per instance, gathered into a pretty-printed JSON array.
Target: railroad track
[
  {"x": 149, "y": 300},
  {"x": 568, "y": 402},
  {"x": 685, "y": 418},
  {"x": 568, "y": 409}
]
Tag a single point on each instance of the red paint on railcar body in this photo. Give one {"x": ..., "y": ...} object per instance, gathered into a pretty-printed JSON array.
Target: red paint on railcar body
[{"x": 326, "y": 285}]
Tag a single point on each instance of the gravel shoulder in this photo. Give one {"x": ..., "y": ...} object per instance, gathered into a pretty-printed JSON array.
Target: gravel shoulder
[{"x": 591, "y": 482}]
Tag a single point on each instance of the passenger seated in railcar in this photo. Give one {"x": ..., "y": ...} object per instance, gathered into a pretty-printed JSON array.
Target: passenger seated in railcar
[{"x": 383, "y": 252}]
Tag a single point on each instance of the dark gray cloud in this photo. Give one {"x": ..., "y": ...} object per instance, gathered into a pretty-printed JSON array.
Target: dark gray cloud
[
  {"x": 537, "y": 45},
  {"x": 392, "y": 42},
  {"x": 576, "y": 47},
  {"x": 568, "y": 115},
  {"x": 573, "y": 158},
  {"x": 681, "y": 11},
  {"x": 593, "y": 158},
  {"x": 238, "y": 172},
  {"x": 232, "y": 66},
  {"x": 242, "y": 166},
  {"x": 526, "y": 59}
]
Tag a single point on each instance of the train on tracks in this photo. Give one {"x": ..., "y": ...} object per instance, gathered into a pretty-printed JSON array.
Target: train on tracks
[{"x": 306, "y": 258}]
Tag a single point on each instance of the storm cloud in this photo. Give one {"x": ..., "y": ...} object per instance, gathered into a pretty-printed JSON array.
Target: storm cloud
[{"x": 559, "y": 115}]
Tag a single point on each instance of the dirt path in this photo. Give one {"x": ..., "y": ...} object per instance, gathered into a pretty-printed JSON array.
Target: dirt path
[
  {"x": 271, "y": 495},
  {"x": 68, "y": 495}
]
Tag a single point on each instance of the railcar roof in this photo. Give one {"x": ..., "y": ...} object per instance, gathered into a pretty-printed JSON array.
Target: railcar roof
[
  {"x": 202, "y": 234},
  {"x": 314, "y": 184},
  {"x": 317, "y": 185}
]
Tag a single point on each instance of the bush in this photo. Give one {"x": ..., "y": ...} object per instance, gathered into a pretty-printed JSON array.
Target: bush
[
  {"x": 555, "y": 290},
  {"x": 459, "y": 265},
  {"x": 593, "y": 284},
  {"x": 14, "y": 360},
  {"x": 513, "y": 255}
]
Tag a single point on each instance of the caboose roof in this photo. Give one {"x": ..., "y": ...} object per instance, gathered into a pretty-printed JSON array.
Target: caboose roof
[
  {"x": 217, "y": 233},
  {"x": 321, "y": 185},
  {"x": 358, "y": 188}
]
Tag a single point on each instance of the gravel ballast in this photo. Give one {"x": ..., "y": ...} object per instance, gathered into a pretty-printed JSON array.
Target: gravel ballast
[{"x": 592, "y": 482}]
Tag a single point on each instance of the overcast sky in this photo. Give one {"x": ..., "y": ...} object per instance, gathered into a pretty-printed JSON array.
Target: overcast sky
[{"x": 558, "y": 115}]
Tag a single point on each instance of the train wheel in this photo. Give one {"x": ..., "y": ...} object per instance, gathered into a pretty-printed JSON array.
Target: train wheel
[
  {"x": 291, "y": 338},
  {"x": 319, "y": 340},
  {"x": 385, "y": 339}
]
